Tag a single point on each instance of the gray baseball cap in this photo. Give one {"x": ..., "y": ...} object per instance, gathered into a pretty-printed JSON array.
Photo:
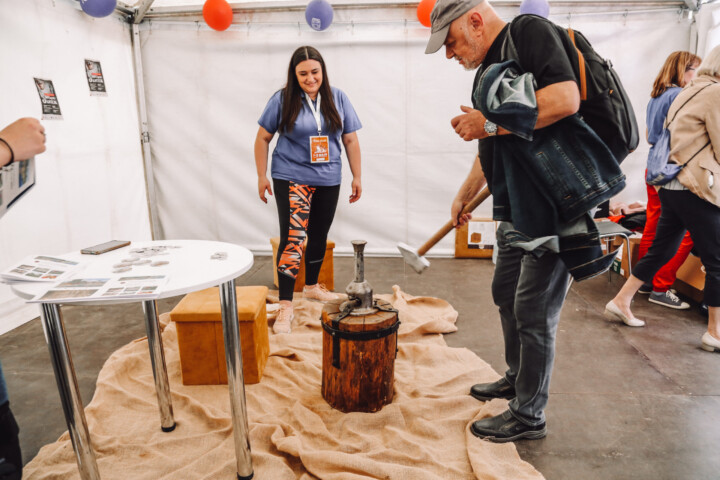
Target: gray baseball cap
[{"x": 443, "y": 14}]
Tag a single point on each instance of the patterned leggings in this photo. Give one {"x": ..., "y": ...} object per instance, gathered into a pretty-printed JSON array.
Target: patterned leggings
[{"x": 303, "y": 212}]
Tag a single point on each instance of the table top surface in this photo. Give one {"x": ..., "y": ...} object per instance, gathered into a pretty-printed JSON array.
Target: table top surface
[{"x": 189, "y": 267}]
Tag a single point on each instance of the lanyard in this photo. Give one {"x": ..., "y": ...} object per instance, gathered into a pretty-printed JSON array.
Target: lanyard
[{"x": 315, "y": 111}]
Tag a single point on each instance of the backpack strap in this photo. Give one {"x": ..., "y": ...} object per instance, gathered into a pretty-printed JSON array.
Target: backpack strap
[
  {"x": 509, "y": 52},
  {"x": 686, "y": 102},
  {"x": 696, "y": 154},
  {"x": 581, "y": 66},
  {"x": 676, "y": 112}
]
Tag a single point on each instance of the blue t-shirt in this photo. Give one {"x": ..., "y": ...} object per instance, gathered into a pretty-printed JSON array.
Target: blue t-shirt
[
  {"x": 291, "y": 157},
  {"x": 657, "y": 110}
]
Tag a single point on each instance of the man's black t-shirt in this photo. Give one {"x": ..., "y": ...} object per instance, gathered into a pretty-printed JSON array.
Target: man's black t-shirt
[{"x": 541, "y": 51}]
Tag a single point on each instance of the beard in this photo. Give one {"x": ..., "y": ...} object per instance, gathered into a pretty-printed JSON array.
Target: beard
[
  {"x": 475, "y": 51},
  {"x": 470, "y": 65}
]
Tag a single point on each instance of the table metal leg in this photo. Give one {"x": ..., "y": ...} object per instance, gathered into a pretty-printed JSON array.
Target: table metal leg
[
  {"x": 157, "y": 357},
  {"x": 236, "y": 384},
  {"x": 69, "y": 392}
]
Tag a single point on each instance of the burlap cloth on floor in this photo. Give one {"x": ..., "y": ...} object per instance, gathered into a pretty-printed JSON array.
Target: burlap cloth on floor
[{"x": 294, "y": 433}]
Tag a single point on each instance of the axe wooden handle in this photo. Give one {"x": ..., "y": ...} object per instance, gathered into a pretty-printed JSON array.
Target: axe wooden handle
[{"x": 440, "y": 234}]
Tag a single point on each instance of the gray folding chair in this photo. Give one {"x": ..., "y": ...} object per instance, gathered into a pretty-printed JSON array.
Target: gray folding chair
[{"x": 608, "y": 230}]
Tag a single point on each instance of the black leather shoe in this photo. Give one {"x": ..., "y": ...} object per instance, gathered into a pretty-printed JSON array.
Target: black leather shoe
[
  {"x": 490, "y": 391},
  {"x": 506, "y": 428}
]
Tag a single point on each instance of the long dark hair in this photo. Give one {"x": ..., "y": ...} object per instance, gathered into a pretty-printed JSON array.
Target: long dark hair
[{"x": 292, "y": 93}]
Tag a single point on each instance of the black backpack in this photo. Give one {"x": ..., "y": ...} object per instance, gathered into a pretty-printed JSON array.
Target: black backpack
[{"x": 604, "y": 105}]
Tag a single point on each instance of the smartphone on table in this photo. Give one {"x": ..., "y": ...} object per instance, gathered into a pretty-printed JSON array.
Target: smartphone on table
[{"x": 105, "y": 247}]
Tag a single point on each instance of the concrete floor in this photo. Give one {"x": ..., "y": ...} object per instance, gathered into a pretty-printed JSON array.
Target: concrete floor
[{"x": 625, "y": 403}]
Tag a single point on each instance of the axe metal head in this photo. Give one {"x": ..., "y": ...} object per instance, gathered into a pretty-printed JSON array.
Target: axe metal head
[{"x": 412, "y": 258}]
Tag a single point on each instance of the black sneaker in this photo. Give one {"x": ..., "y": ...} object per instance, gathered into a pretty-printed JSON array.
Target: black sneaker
[
  {"x": 506, "y": 428},
  {"x": 646, "y": 289},
  {"x": 490, "y": 391},
  {"x": 668, "y": 299}
]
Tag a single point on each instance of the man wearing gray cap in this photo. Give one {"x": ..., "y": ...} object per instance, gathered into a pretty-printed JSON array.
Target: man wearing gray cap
[{"x": 529, "y": 285}]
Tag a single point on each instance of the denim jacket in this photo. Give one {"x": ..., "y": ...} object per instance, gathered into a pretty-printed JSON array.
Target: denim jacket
[{"x": 546, "y": 181}]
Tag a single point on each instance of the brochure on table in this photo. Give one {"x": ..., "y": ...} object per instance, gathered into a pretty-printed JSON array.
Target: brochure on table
[
  {"x": 15, "y": 180},
  {"x": 138, "y": 287},
  {"x": 40, "y": 268},
  {"x": 57, "y": 279}
]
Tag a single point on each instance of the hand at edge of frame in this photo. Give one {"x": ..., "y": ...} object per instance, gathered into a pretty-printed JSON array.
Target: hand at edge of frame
[{"x": 26, "y": 137}]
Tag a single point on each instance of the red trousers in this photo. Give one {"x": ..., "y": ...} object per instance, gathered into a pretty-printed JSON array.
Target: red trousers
[{"x": 665, "y": 277}]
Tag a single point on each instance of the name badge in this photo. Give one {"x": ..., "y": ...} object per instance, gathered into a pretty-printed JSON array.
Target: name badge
[{"x": 319, "y": 149}]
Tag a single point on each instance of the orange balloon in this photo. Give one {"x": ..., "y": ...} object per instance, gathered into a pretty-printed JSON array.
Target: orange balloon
[
  {"x": 423, "y": 11},
  {"x": 217, "y": 14}
]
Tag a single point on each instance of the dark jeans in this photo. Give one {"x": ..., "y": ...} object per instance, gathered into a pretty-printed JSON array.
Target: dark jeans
[
  {"x": 683, "y": 210},
  {"x": 3, "y": 387},
  {"x": 530, "y": 292},
  {"x": 322, "y": 212},
  {"x": 10, "y": 455}
]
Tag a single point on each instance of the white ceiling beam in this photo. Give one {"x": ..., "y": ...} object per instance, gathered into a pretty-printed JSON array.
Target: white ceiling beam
[
  {"x": 142, "y": 8},
  {"x": 292, "y": 5}
]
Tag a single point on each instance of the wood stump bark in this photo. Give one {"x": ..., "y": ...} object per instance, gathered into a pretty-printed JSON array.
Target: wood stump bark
[{"x": 358, "y": 371}]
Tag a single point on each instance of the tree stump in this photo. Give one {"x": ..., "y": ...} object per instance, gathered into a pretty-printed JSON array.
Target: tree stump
[{"x": 358, "y": 367}]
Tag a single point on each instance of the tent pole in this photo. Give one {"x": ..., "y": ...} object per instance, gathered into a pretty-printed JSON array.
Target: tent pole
[
  {"x": 155, "y": 229},
  {"x": 142, "y": 9},
  {"x": 694, "y": 37}
]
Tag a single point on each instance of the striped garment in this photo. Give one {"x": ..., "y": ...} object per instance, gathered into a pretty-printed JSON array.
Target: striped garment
[{"x": 300, "y": 198}]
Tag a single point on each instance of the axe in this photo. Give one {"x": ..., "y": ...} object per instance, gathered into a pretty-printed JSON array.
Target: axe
[{"x": 415, "y": 258}]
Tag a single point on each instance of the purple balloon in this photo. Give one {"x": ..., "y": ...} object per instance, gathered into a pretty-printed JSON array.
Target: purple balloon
[
  {"x": 319, "y": 14},
  {"x": 98, "y": 8},
  {"x": 535, "y": 7}
]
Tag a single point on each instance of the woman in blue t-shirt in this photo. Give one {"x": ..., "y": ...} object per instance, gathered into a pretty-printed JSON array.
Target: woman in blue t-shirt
[
  {"x": 312, "y": 120},
  {"x": 678, "y": 71}
]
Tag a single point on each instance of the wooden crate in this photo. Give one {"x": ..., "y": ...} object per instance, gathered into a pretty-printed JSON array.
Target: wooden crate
[
  {"x": 620, "y": 265},
  {"x": 475, "y": 239},
  {"x": 691, "y": 278}
]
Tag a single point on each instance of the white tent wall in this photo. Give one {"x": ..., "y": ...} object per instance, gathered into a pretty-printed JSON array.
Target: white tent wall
[
  {"x": 708, "y": 22},
  {"x": 90, "y": 184},
  {"x": 206, "y": 90}
]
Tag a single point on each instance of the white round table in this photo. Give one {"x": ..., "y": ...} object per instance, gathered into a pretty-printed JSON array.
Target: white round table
[{"x": 190, "y": 267}]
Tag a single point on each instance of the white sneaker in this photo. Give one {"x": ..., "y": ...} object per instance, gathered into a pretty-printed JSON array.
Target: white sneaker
[
  {"x": 613, "y": 313},
  {"x": 283, "y": 322},
  {"x": 668, "y": 299},
  {"x": 319, "y": 292}
]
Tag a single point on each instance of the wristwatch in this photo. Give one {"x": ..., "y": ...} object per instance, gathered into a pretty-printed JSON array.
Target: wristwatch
[{"x": 490, "y": 128}]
